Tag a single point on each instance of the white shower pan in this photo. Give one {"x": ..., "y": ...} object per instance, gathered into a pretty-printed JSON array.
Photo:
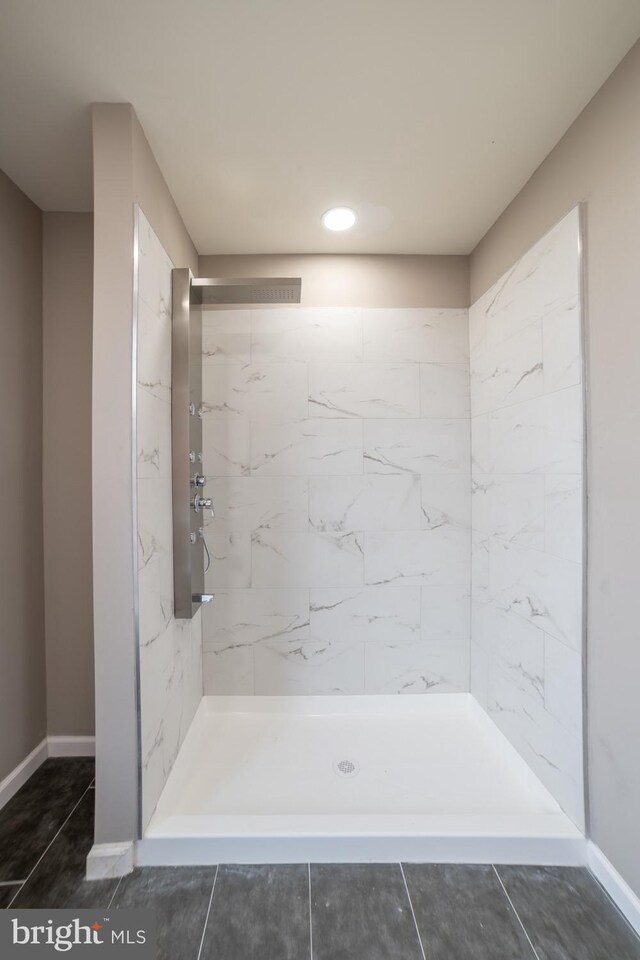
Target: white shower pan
[{"x": 346, "y": 779}]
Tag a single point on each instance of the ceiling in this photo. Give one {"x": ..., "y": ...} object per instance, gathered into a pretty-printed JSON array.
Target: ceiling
[{"x": 426, "y": 116}]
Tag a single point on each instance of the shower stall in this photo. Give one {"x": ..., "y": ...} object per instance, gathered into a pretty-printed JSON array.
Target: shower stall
[{"x": 360, "y": 569}]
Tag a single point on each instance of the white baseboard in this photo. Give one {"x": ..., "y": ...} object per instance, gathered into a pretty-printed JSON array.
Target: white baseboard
[
  {"x": 108, "y": 860},
  {"x": 20, "y": 774},
  {"x": 617, "y": 888},
  {"x": 71, "y": 746}
]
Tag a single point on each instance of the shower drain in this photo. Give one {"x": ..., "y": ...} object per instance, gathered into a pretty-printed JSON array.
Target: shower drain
[{"x": 346, "y": 768}]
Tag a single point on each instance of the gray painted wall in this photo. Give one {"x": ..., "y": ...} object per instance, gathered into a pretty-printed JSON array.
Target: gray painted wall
[
  {"x": 22, "y": 651},
  {"x": 598, "y": 161},
  {"x": 67, "y": 318}
]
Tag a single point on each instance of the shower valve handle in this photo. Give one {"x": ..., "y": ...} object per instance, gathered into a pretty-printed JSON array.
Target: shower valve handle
[{"x": 202, "y": 503}]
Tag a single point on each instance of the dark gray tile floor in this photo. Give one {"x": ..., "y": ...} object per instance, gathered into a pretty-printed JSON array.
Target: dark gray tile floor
[{"x": 299, "y": 912}]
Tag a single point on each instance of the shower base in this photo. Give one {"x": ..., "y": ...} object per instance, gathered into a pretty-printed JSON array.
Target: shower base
[{"x": 339, "y": 779}]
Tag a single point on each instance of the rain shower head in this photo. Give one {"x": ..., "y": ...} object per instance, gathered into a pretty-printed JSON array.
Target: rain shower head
[{"x": 227, "y": 290}]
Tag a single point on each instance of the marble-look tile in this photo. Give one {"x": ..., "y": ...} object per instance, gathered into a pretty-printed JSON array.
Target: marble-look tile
[
  {"x": 538, "y": 436},
  {"x": 361, "y": 912},
  {"x": 33, "y": 816},
  {"x": 418, "y": 558},
  {"x": 461, "y": 911},
  {"x": 307, "y": 334},
  {"x": 416, "y": 446},
  {"x": 446, "y": 501},
  {"x": 154, "y": 353},
  {"x": 292, "y": 667},
  {"x": 510, "y": 507},
  {"x": 545, "y": 277},
  {"x": 564, "y": 521},
  {"x": 259, "y": 912},
  {"x": 336, "y": 559},
  {"x": 444, "y": 390},
  {"x": 416, "y": 666},
  {"x": 275, "y": 391},
  {"x": 445, "y": 612},
  {"x": 563, "y": 671},
  {"x": 479, "y": 673},
  {"x": 227, "y": 669},
  {"x": 567, "y": 914},
  {"x": 280, "y": 558},
  {"x": 423, "y": 335},
  {"x": 58, "y": 879},
  {"x": 365, "y": 502},
  {"x": 508, "y": 372},
  {"x": 240, "y": 618},
  {"x": 480, "y": 444},
  {"x": 155, "y": 599},
  {"x": 364, "y": 390},
  {"x": 226, "y": 337},
  {"x": 252, "y": 503},
  {"x": 179, "y": 897},
  {"x": 294, "y": 558},
  {"x": 155, "y": 524},
  {"x": 231, "y": 556},
  {"x": 226, "y": 446},
  {"x": 154, "y": 270},
  {"x": 540, "y": 588},
  {"x": 562, "y": 340},
  {"x": 306, "y": 447},
  {"x": 480, "y": 546},
  {"x": 373, "y": 613},
  {"x": 153, "y": 427}
]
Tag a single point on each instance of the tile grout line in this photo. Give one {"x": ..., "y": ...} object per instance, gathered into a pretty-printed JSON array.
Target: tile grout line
[
  {"x": 524, "y": 929},
  {"x": 406, "y": 887},
  {"x": 115, "y": 893},
  {"x": 48, "y": 847},
  {"x": 206, "y": 919},
  {"x": 310, "y": 916}
]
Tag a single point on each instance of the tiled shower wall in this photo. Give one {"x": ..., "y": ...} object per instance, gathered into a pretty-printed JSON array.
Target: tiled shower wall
[
  {"x": 170, "y": 649},
  {"x": 337, "y": 446},
  {"x": 527, "y": 509}
]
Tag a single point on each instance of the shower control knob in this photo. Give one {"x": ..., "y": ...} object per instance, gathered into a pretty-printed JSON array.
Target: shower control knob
[
  {"x": 202, "y": 503},
  {"x": 198, "y": 480}
]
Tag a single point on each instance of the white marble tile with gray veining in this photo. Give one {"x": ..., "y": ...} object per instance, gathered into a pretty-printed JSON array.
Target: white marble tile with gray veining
[
  {"x": 307, "y": 334},
  {"x": 445, "y": 612},
  {"x": 241, "y": 618},
  {"x": 416, "y": 667},
  {"x": 251, "y": 503},
  {"x": 226, "y": 447},
  {"x": 319, "y": 667},
  {"x": 364, "y": 390},
  {"x": 564, "y": 516},
  {"x": 562, "y": 346},
  {"x": 419, "y": 334},
  {"x": 563, "y": 671},
  {"x": 446, "y": 501},
  {"x": 336, "y": 559},
  {"x": 226, "y": 337},
  {"x": 365, "y": 502},
  {"x": 227, "y": 670},
  {"x": 306, "y": 447},
  {"x": 416, "y": 446},
  {"x": 540, "y": 588},
  {"x": 382, "y": 613},
  {"x": 271, "y": 391},
  {"x": 231, "y": 556},
  {"x": 154, "y": 353},
  {"x": 155, "y": 520},
  {"x": 538, "y": 436},
  {"x": 418, "y": 558},
  {"x": 510, "y": 507},
  {"x": 154, "y": 271},
  {"x": 153, "y": 437},
  {"x": 444, "y": 390}
]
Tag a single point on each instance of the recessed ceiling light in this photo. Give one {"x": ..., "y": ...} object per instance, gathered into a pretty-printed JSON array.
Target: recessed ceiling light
[{"x": 339, "y": 218}]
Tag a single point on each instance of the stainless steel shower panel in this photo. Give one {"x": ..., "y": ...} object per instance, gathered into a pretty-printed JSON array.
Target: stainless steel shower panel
[
  {"x": 186, "y": 444},
  {"x": 225, "y": 290}
]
